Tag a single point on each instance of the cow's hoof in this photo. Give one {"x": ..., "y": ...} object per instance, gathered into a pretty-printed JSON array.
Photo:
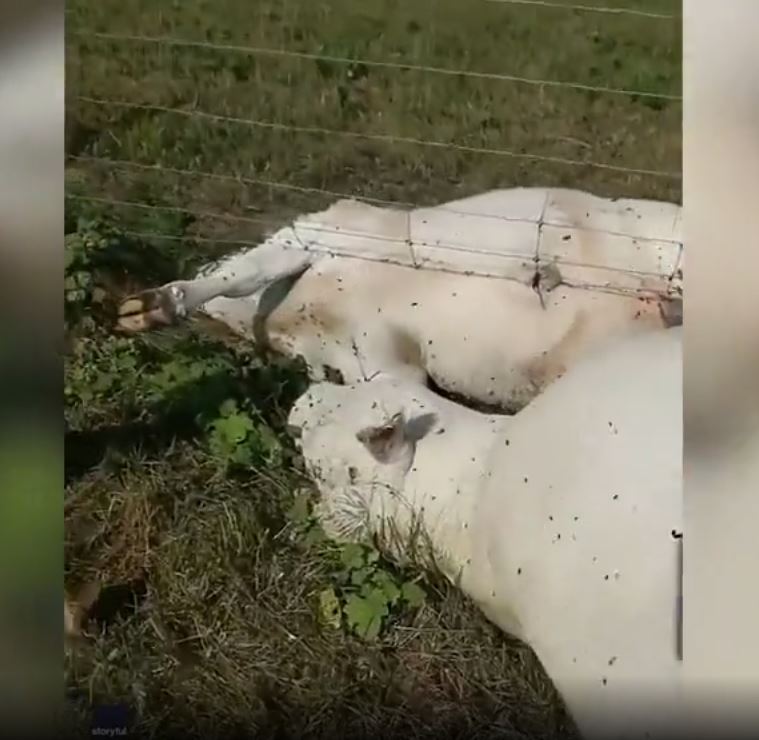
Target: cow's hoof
[{"x": 151, "y": 309}]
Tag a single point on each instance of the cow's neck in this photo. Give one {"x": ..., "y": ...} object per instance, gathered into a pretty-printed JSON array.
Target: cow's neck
[
  {"x": 447, "y": 490},
  {"x": 436, "y": 498}
]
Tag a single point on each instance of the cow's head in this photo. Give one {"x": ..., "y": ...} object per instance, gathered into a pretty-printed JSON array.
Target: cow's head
[{"x": 359, "y": 442}]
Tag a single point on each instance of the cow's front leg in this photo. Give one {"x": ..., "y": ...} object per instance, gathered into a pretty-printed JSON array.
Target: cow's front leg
[
  {"x": 243, "y": 275},
  {"x": 174, "y": 301}
]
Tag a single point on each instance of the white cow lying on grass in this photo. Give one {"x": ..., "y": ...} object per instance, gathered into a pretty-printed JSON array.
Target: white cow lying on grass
[
  {"x": 491, "y": 297},
  {"x": 559, "y": 522}
]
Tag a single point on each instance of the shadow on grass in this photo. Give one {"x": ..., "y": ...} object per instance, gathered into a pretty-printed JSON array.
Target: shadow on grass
[{"x": 183, "y": 412}]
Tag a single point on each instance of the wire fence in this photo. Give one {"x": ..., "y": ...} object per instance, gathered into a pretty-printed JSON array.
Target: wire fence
[
  {"x": 665, "y": 281},
  {"x": 385, "y": 138},
  {"x": 401, "y": 66},
  {"x": 443, "y": 208},
  {"x": 193, "y": 112}
]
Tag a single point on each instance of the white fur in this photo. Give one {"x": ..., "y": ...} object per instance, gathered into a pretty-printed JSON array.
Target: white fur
[{"x": 557, "y": 521}]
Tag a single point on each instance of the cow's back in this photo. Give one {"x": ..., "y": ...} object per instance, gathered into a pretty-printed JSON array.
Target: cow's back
[{"x": 577, "y": 524}]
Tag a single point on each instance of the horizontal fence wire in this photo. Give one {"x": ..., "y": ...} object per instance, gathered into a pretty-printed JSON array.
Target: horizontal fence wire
[
  {"x": 242, "y": 180},
  {"x": 173, "y": 209},
  {"x": 239, "y": 179},
  {"x": 188, "y": 238},
  {"x": 150, "y": 235},
  {"x": 386, "y": 138},
  {"x": 592, "y": 9},
  {"x": 578, "y": 8},
  {"x": 315, "y": 226},
  {"x": 402, "y": 66},
  {"x": 320, "y": 228}
]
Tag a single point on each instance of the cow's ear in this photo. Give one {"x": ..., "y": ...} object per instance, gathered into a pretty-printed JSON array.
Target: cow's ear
[{"x": 386, "y": 442}]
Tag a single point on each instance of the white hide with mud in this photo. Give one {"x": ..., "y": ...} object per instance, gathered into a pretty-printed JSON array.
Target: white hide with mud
[
  {"x": 557, "y": 521},
  {"x": 491, "y": 297}
]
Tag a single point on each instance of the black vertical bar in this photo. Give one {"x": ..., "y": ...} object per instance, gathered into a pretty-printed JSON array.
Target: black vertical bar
[{"x": 679, "y": 602}]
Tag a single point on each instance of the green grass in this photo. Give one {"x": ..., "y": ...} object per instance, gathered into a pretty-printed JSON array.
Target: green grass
[{"x": 222, "y": 610}]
